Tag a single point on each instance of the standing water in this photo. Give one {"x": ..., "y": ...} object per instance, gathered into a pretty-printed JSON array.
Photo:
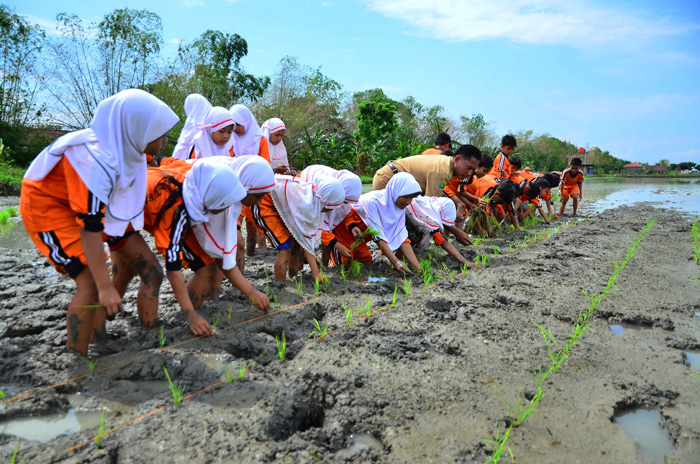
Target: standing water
[
  {"x": 45, "y": 428},
  {"x": 644, "y": 426}
]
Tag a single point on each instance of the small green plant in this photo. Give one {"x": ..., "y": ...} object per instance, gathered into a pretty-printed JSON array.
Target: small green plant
[
  {"x": 348, "y": 314},
  {"x": 368, "y": 307},
  {"x": 233, "y": 377},
  {"x": 485, "y": 259},
  {"x": 299, "y": 283},
  {"x": 428, "y": 276},
  {"x": 326, "y": 282},
  {"x": 695, "y": 232},
  {"x": 477, "y": 241},
  {"x": 355, "y": 268},
  {"x": 407, "y": 287},
  {"x": 100, "y": 430},
  {"x": 267, "y": 284},
  {"x": 464, "y": 268},
  {"x": 90, "y": 364},
  {"x": 215, "y": 321},
  {"x": 277, "y": 303},
  {"x": 229, "y": 310},
  {"x": 477, "y": 260},
  {"x": 6, "y": 214},
  {"x": 14, "y": 454},
  {"x": 2, "y": 395},
  {"x": 178, "y": 391},
  {"x": 162, "y": 334},
  {"x": 496, "y": 251},
  {"x": 281, "y": 346},
  {"x": 319, "y": 332},
  {"x": 317, "y": 287},
  {"x": 343, "y": 273},
  {"x": 393, "y": 298},
  {"x": 358, "y": 240},
  {"x": 369, "y": 275}
]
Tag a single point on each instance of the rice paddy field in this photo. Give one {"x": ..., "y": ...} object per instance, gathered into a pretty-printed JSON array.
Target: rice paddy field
[{"x": 569, "y": 343}]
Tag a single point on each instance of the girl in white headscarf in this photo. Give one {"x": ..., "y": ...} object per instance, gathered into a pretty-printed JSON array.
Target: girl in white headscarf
[
  {"x": 292, "y": 215},
  {"x": 428, "y": 217},
  {"x": 88, "y": 182},
  {"x": 382, "y": 211},
  {"x": 214, "y": 134},
  {"x": 273, "y": 130},
  {"x": 352, "y": 185},
  {"x": 196, "y": 108}
]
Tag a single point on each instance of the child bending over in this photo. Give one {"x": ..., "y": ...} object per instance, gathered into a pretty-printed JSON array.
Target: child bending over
[{"x": 427, "y": 217}]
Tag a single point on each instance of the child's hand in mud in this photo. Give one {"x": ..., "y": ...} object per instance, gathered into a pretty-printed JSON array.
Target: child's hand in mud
[
  {"x": 198, "y": 325},
  {"x": 110, "y": 300},
  {"x": 260, "y": 301},
  {"x": 322, "y": 279},
  {"x": 343, "y": 250}
]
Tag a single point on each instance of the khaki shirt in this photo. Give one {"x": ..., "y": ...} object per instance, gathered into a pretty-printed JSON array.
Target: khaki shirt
[{"x": 432, "y": 172}]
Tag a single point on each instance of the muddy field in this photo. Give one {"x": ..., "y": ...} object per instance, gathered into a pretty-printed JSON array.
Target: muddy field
[{"x": 426, "y": 381}]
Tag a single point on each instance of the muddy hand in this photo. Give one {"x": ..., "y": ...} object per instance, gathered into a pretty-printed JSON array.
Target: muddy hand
[
  {"x": 110, "y": 300},
  {"x": 198, "y": 325},
  {"x": 260, "y": 301}
]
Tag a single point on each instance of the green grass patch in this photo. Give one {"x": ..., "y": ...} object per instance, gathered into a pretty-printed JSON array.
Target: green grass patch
[
  {"x": 11, "y": 174},
  {"x": 7, "y": 213}
]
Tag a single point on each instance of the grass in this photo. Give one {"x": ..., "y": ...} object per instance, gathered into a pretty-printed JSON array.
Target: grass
[
  {"x": 299, "y": 284},
  {"x": 696, "y": 241},
  {"x": 496, "y": 251},
  {"x": 267, "y": 285},
  {"x": 7, "y": 213},
  {"x": 233, "y": 377},
  {"x": 100, "y": 430},
  {"x": 407, "y": 287},
  {"x": 162, "y": 334},
  {"x": 393, "y": 298},
  {"x": 90, "y": 364},
  {"x": 11, "y": 174},
  {"x": 319, "y": 332},
  {"x": 178, "y": 391},
  {"x": 348, "y": 314},
  {"x": 281, "y": 346}
]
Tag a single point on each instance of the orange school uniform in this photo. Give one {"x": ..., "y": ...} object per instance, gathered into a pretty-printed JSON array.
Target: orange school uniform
[
  {"x": 501, "y": 167},
  {"x": 268, "y": 221},
  {"x": 569, "y": 184},
  {"x": 432, "y": 151},
  {"x": 452, "y": 187},
  {"x": 487, "y": 186},
  {"x": 345, "y": 237},
  {"x": 173, "y": 236},
  {"x": 54, "y": 211}
]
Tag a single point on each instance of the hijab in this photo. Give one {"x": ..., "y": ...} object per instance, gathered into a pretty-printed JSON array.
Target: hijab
[
  {"x": 352, "y": 185},
  {"x": 432, "y": 212},
  {"x": 208, "y": 186},
  {"x": 379, "y": 211},
  {"x": 196, "y": 108},
  {"x": 216, "y": 119},
  {"x": 278, "y": 153},
  {"x": 248, "y": 143},
  {"x": 109, "y": 156}
]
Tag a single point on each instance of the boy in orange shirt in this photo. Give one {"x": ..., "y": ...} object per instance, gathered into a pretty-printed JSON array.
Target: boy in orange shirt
[
  {"x": 571, "y": 185},
  {"x": 443, "y": 142},
  {"x": 501, "y": 165},
  {"x": 467, "y": 188},
  {"x": 451, "y": 189}
]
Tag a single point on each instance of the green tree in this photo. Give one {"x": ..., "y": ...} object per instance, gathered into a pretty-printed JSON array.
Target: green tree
[
  {"x": 477, "y": 131},
  {"x": 376, "y": 123}
]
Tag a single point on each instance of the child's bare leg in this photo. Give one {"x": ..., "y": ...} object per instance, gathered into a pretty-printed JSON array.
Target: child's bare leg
[
  {"x": 563, "y": 205},
  {"x": 122, "y": 272},
  {"x": 575, "y": 203},
  {"x": 240, "y": 252},
  {"x": 141, "y": 259},
  {"x": 296, "y": 259},
  {"x": 281, "y": 264},
  {"x": 201, "y": 285},
  {"x": 251, "y": 238},
  {"x": 84, "y": 323}
]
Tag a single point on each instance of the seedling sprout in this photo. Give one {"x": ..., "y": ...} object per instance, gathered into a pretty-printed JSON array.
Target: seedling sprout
[
  {"x": 393, "y": 299},
  {"x": 319, "y": 332},
  {"x": 407, "y": 287},
  {"x": 299, "y": 283},
  {"x": 100, "y": 430},
  {"x": 90, "y": 364},
  {"x": 162, "y": 334},
  {"x": 178, "y": 391},
  {"x": 348, "y": 313},
  {"x": 281, "y": 346}
]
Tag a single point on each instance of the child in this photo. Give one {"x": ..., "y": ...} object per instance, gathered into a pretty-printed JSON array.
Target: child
[
  {"x": 383, "y": 212},
  {"x": 352, "y": 185},
  {"x": 213, "y": 137},
  {"x": 451, "y": 189},
  {"x": 273, "y": 130},
  {"x": 291, "y": 216},
  {"x": 443, "y": 142},
  {"x": 467, "y": 189},
  {"x": 553, "y": 182},
  {"x": 427, "y": 217},
  {"x": 196, "y": 108},
  {"x": 88, "y": 182},
  {"x": 571, "y": 185},
  {"x": 499, "y": 195},
  {"x": 501, "y": 165}
]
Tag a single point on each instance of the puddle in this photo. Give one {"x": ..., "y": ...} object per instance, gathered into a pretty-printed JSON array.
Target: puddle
[
  {"x": 45, "y": 428},
  {"x": 693, "y": 358},
  {"x": 644, "y": 426},
  {"x": 617, "y": 329},
  {"x": 154, "y": 387},
  {"x": 363, "y": 441},
  {"x": 375, "y": 279},
  {"x": 621, "y": 327},
  {"x": 697, "y": 314}
]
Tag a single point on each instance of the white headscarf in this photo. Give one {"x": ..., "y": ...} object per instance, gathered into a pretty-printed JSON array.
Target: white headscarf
[
  {"x": 300, "y": 205},
  {"x": 352, "y": 185},
  {"x": 278, "y": 153},
  {"x": 210, "y": 185},
  {"x": 109, "y": 156},
  {"x": 431, "y": 213},
  {"x": 249, "y": 143},
  {"x": 216, "y": 119},
  {"x": 196, "y": 107},
  {"x": 379, "y": 211},
  {"x": 219, "y": 237}
]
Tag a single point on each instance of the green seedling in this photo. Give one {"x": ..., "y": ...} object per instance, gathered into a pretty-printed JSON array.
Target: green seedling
[
  {"x": 317, "y": 287},
  {"x": 299, "y": 283},
  {"x": 348, "y": 314},
  {"x": 498, "y": 444},
  {"x": 162, "y": 334},
  {"x": 326, "y": 282},
  {"x": 281, "y": 346},
  {"x": 215, "y": 321},
  {"x": 229, "y": 309},
  {"x": 319, "y": 332},
  {"x": 100, "y": 430},
  {"x": 368, "y": 307},
  {"x": 369, "y": 275},
  {"x": 485, "y": 259},
  {"x": 393, "y": 298},
  {"x": 477, "y": 260},
  {"x": 358, "y": 240},
  {"x": 496, "y": 250},
  {"x": 343, "y": 273},
  {"x": 355, "y": 268},
  {"x": 90, "y": 364},
  {"x": 232, "y": 377},
  {"x": 6, "y": 214},
  {"x": 267, "y": 284},
  {"x": 407, "y": 287},
  {"x": 2, "y": 395},
  {"x": 695, "y": 232},
  {"x": 464, "y": 268},
  {"x": 250, "y": 304},
  {"x": 14, "y": 454},
  {"x": 477, "y": 241},
  {"x": 428, "y": 276},
  {"x": 178, "y": 391},
  {"x": 277, "y": 303}
]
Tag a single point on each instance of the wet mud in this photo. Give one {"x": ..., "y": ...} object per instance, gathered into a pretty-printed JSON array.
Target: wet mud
[{"x": 428, "y": 380}]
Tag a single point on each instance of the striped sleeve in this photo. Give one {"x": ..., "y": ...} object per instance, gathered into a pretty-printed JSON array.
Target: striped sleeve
[{"x": 177, "y": 228}]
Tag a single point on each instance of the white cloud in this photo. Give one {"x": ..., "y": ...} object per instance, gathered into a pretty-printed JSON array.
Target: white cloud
[
  {"x": 575, "y": 23},
  {"x": 191, "y": 3},
  {"x": 49, "y": 25}
]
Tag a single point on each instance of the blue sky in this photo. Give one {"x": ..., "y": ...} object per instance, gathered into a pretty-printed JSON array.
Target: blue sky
[{"x": 623, "y": 75}]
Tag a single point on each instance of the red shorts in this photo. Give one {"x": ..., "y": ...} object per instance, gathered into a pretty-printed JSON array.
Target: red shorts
[{"x": 568, "y": 190}]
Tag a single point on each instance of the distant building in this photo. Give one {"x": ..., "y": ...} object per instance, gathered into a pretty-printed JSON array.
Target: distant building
[
  {"x": 633, "y": 168},
  {"x": 656, "y": 169}
]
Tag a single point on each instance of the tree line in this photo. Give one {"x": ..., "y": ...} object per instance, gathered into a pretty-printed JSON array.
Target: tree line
[{"x": 53, "y": 82}]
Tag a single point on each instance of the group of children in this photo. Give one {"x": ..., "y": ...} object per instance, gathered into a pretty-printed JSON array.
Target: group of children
[{"x": 95, "y": 186}]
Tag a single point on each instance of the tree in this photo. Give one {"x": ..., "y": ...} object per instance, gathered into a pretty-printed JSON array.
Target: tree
[
  {"x": 664, "y": 163},
  {"x": 477, "y": 131},
  {"x": 376, "y": 123}
]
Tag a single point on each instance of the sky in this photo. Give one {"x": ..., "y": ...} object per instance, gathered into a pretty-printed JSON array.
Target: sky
[{"x": 623, "y": 75}]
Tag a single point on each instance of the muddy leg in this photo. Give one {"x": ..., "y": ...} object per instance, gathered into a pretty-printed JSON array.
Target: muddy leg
[
  {"x": 575, "y": 204},
  {"x": 251, "y": 238},
  {"x": 122, "y": 272},
  {"x": 296, "y": 260},
  {"x": 200, "y": 284},
  {"x": 240, "y": 252},
  {"x": 563, "y": 205},
  {"x": 81, "y": 318},
  {"x": 281, "y": 264}
]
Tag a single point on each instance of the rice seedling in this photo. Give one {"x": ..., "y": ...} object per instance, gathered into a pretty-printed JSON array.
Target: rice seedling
[
  {"x": 299, "y": 283},
  {"x": 162, "y": 334},
  {"x": 100, "y": 430},
  {"x": 477, "y": 241},
  {"x": 215, "y": 321},
  {"x": 317, "y": 287},
  {"x": 355, "y": 268},
  {"x": 326, "y": 282},
  {"x": 464, "y": 268},
  {"x": 496, "y": 251},
  {"x": 319, "y": 332},
  {"x": 90, "y": 364},
  {"x": 281, "y": 346},
  {"x": 267, "y": 284},
  {"x": 368, "y": 307},
  {"x": 485, "y": 259},
  {"x": 315, "y": 456},
  {"x": 6, "y": 214},
  {"x": 178, "y": 391},
  {"x": 358, "y": 240},
  {"x": 14, "y": 454},
  {"x": 277, "y": 303},
  {"x": 233, "y": 377},
  {"x": 696, "y": 241},
  {"x": 427, "y": 272},
  {"x": 348, "y": 314},
  {"x": 369, "y": 275},
  {"x": 2, "y": 395},
  {"x": 407, "y": 287},
  {"x": 477, "y": 260},
  {"x": 229, "y": 309},
  {"x": 393, "y": 298},
  {"x": 343, "y": 273},
  {"x": 498, "y": 444}
]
